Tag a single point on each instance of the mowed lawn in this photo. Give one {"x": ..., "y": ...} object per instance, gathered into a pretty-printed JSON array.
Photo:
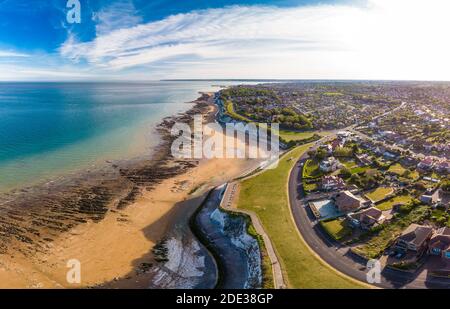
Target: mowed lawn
[
  {"x": 295, "y": 136},
  {"x": 266, "y": 195},
  {"x": 336, "y": 228},
  {"x": 397, "y": 169},
  {"x": 379, "y": 193},
  {"x": 399, "y": 199}
]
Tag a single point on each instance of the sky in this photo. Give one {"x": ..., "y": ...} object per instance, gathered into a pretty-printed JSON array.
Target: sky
[{"x": 224, "y": 39}]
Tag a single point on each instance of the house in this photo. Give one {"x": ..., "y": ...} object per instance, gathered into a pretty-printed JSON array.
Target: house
[
  {"x": 330, "y": 164},
  {"x": 343, "y": 134},
  {"x": 443, "y": 167},
  {"x": 426, "y": 164},
  {"x": 386, "y": 133},
  {"x": 389, "y": 155},
  {"x": 367, "y": 218},
  {"x": 331, "y": 183},
  {"x": 414, "y": 238},
  {"x": 430, "y": 198},
  {"x": 336, "y": 144},
  {"x": 327, "y": 148},
  {"x": 363, "y": 159},
  {"x": 409, "y": 162},
  {"x": 440, "y": 244},
  {"x": 346, "y": 201},
  {"x": 444, "y": 199},
  {"x": 428, "y": 147}
]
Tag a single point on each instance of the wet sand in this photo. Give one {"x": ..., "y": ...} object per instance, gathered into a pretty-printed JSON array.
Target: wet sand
[{"x": 111, "y": 219}]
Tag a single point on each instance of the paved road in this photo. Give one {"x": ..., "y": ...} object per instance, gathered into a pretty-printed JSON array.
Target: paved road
[{"x": 340, "y": 257}]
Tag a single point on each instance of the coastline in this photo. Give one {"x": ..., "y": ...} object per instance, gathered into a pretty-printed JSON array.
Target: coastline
[{"x": 111, "y": 219}]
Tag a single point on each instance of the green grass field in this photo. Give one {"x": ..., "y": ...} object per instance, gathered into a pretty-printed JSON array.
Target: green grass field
[
  {"x": 397, "y": 169},
  {"x": 311, "y": 169},
  {"x": 348, "y": 163},
  {"x": 413, "y": 175},
  {"x": 333, "y": 94},
  {"x": 288, "y": 136},
  {"x": 399, "y": 199},
  {"x": 336, "y": 228},
  {"x": 266, "y": 195},
  {"x": 379, "y": 193},
  {"x": 359, "y": 169}
]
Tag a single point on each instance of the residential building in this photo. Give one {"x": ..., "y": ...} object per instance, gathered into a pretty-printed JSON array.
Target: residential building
[
  {"x": 346, "y": 201},
  {"x": 409, "y": 161},
  {"x": 430, "y": 198},
  {"x": 363, "y": 159},
  {"x": 440, "y": 244},
  {"x": 332, "y": 183},
  {"x": 389, "y": 155},
  {"x": 367, "y": 218},
  {"x": 414, "y": 238},
  {"x": 336, "y": 144},
  {"x": 426, "y": 164},
  {"x": 330, "y": 164},
  {"x": 343, "y": 134},
  {"x": 327, "y": 148},
  {"x": 443, "y": 167}
]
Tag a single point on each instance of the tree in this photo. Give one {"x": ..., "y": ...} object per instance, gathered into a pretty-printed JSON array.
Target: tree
[
  {"x": 345, "y": 172},
  {"x": 355, "y": 179},
  {"x": 445, "y": 186},
  {"x": 321, "y": 154}
]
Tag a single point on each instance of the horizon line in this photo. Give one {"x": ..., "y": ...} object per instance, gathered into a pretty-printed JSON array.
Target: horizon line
[{"x": 221, "y": 80}]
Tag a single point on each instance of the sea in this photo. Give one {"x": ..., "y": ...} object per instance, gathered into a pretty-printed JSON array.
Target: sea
[{"x": 48, "y": 129}]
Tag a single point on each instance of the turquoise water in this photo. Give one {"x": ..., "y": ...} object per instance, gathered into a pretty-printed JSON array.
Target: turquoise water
[{"x": 47, "y": 129}]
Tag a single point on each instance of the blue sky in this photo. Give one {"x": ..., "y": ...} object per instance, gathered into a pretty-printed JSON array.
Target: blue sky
[{"x": 148, "y": 40}]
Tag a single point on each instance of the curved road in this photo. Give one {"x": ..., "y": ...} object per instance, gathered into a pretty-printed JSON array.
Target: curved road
[{"x": 338, "y": 256}]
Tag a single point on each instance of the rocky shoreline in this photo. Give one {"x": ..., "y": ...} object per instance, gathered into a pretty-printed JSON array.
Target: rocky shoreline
[{"x": 32, "y": 218}]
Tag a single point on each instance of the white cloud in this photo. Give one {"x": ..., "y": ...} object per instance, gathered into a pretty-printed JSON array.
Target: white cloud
[
  {"x": 385, "y": 39},
  {"x": 11, "y": 54},
  {"x": 120, "y": 14}
]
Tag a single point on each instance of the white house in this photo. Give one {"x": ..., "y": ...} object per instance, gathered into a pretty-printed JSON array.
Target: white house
[{"x": 330, "y": 164}]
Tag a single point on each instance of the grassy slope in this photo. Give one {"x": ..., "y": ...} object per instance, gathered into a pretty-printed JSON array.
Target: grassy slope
[
  {"x": 266, "y": 195},
  {"x": 295, "y": 136}
]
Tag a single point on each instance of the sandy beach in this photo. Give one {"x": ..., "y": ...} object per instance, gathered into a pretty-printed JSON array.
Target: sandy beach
[{"x": 115, "y": 250}]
